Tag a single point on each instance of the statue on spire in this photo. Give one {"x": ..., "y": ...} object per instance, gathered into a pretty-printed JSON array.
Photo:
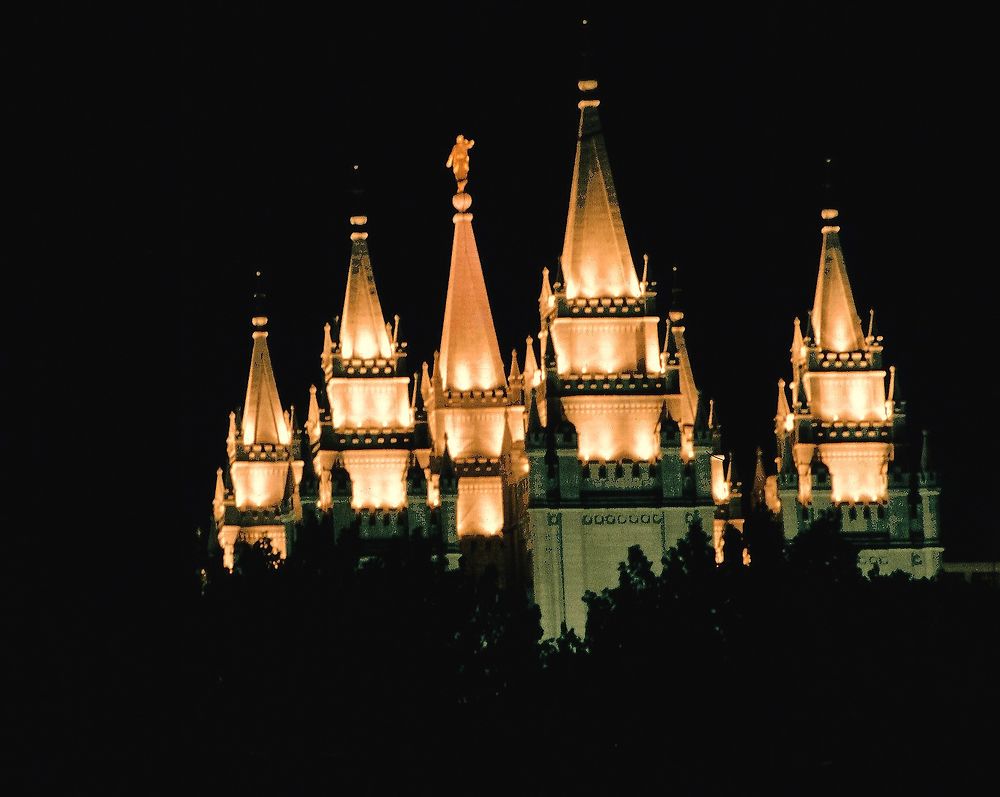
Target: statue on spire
[{"x": 458, "y": 160}]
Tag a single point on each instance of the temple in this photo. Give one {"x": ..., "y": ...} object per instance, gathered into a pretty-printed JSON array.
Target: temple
[
  {"x": 623, "y": 448},
  {"x": 840, "y": 428},
  {"x": 257, "y": 494},
  {"x": 550, "y": 472}
]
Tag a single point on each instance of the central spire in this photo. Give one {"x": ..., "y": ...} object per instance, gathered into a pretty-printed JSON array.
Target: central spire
[
  {"x": 362, "y": 331},
  {"x": 596, "y": 260},
  {"x": 835, "y": 317},
  {"x": 470, "y": 354}
]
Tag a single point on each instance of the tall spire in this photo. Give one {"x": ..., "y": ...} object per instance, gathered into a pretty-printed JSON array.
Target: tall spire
[
  {"x": 758, "y": 495},
  {"x": 925, "y": 454},
  {"x": 530, "y": 364},
  {"x": 783, "y": 410},
  {"x": 596, "y": 260},
  {"x": 263, "y": 419},
  {"x": 470, "y": 354},
  {"x": 514, "y": 380},
  {"x": 363, "y": 331},
  {"x": 312, "y": 419},
  {"x": 835, "y": 317},
  {"x": 544, "y": 294}
]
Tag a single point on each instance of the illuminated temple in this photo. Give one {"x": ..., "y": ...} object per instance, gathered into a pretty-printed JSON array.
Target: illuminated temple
[
  {"x": 602, "y": 441},
  {"x": 841, "y": 436}
]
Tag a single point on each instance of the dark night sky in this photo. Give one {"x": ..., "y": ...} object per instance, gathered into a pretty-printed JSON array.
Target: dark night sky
[{"x": 230, "y": 132}]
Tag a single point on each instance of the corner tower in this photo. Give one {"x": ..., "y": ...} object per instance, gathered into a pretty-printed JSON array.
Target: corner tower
[
  {"x": 257, "y": 494},
  {"x": 840, "y": 431},
  {"x": 623, "y": 448},
  {"x": 363, "y": 443}
]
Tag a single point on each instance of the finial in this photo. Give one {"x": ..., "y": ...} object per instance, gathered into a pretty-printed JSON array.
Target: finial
[
  {"x": 676, "y": 314},
  {"x": 259, "y": 318},
  {"x": 645, "y": 269},
  {"x": 871, "y": 322},
  {"x": 892, "y": 382},
  {"x": 358, "y": 217},
  {"x": 829, "y": 212},
  {"x": 587, "y": 84},
  {"x": 458, "y": 162},
  {"x": 395, "y": 329},
  {"x": 711, "y": 412}
]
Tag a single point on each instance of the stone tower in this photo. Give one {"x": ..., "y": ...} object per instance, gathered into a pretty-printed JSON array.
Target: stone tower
[
  {"x": 257, "y": 495},
  {"x": 477, "y": 475},
  {"x": 841, "y": 433},
  {"x": 623, "y": 448},
  {"x": 363, "y": 442}
]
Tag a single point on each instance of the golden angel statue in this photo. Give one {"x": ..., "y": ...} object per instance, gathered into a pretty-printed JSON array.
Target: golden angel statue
[{"x": 458, "y": 160}]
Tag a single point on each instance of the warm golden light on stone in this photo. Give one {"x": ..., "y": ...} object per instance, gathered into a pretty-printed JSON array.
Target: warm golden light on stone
[
  {"x": 609, "y": 430},
  {"x": 480, "y": 506},
  {"x": 377, "y": 478},
  {"x": 858, "y": 471}
]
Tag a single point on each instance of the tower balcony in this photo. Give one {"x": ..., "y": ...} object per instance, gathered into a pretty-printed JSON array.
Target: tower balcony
[
  {"x": 864, "y": 359},
  {"x": 479, "y": 466},
  {"x": 848, "y": 431},
  {"x": 582, "y": 307},
  {"x": 261, "y": 452},
  {"x": 473, "y": 397},
  {"x": 615, "y": 384},
  {"x": 364, "y": 367},
  {"x": 348, "y": 439}
]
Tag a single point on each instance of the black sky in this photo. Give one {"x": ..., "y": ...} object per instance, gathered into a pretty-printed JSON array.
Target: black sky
[{"x": 227, "y": 132}]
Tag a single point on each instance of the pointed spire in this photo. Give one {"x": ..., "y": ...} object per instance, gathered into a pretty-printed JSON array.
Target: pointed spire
[
  {"x": 835, "y": 316},
  {"x": 470, "y": 354},
  {"x": 515, "y": 370},
  {"x": 544, "y": 294},
  {"x": 514, "y": 379},
  {"x": 326, "y": 359},
  {"x": 596, "y": 260},
  {"x": 925, "y": 454},
  {"x": 413, "y": 393},
  {"x": 783, "y": 410},
  {"x": 263, "y": 419},
  {"x": 312, "y": 419},
  {"x": 758, "y": 496},
  {"x": 220, "y": 488},
  {"x": 425, "y": 384},
  {"x": 437, "y": 384},
  {"x": 231, "y": 437},
  {"x": 797, "y": 343},
  {"x": 364, "y": 332},
  {"x": 530, "y": 364}
]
